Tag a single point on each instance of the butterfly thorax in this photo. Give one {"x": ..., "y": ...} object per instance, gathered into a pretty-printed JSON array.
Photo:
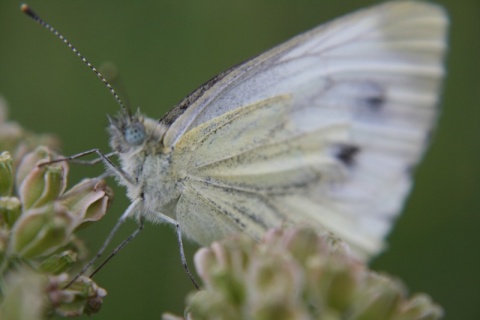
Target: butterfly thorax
[{"x": 143, "y": 157}]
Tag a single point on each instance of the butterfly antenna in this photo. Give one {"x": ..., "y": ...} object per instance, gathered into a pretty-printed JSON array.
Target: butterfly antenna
[{"x": 29, "y": 12}]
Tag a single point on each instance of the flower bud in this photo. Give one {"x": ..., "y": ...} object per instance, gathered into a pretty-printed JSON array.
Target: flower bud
[
  {"x": 30, "y": 161},
  {"x": 10, "y": 210},
  {"x": 273, "y": 283},
  {"x": 420, "y": 307},
  {"x": 59, "y": 262},
  {"x": 378, "y": 298},
  {"x": 333, "y": 282},
  {"x": 40, "y": 185},
  {"x": 88, "y": 201},
  {"x": 83, "y": 297},
  {"x": 41, "y": 231},
  {"x": 6, "y": 174}
]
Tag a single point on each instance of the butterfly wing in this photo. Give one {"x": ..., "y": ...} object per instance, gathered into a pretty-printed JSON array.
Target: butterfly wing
[{"x": 323, "y": 129}]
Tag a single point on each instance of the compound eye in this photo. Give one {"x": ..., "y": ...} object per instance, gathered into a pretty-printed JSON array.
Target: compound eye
[{"x": 135, "y": 134}]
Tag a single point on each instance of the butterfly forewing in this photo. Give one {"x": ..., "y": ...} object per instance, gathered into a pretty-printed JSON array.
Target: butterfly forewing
[{"x": 323, "y": 129}]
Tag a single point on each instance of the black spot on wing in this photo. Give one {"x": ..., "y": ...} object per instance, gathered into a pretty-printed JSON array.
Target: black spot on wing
[
  {"x": 372, "y": 96},
  {"x": 374, "y": 102},
  {"x": 347, "y": 154}
]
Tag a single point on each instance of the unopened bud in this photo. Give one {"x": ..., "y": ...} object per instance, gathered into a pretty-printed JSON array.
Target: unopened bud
[
  {"x": 88, "y": 201},
  {"x": 41, "y": 231},
  {"x": 59, "y": 262},
  {"x": 6, "y": 174},
  {"x": 83, "y": 297},
  {"x": 39, "y": 185},
  {"x": 379, "y": 298},
  {"x": 420, "y": 307},
  {"x": 10, "y": 210}
]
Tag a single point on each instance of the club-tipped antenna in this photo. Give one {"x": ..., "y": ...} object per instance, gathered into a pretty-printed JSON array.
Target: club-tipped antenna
[{"x": 29, "y": 12}]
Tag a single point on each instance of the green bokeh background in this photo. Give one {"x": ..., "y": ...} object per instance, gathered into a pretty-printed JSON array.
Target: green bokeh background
[{"x": 165, "y": 49}]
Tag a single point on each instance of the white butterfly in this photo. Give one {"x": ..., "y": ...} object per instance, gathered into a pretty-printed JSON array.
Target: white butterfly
[{"x": 322, "y": 130}]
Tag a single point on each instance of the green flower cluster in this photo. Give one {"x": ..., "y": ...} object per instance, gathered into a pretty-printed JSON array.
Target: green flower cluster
[
  {"x": 296, "y": 274},
  {"x": 38, "y": 221}
]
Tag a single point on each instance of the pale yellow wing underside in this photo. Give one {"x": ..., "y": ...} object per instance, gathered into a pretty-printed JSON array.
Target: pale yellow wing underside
[{"x": 324, "y": 129}]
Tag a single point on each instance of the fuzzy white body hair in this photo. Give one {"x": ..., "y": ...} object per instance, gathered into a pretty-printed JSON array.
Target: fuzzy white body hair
[{"x": 154, "y": 180}]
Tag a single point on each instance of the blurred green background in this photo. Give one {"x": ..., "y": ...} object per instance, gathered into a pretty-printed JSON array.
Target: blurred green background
[{"x": 165, "y": 49}]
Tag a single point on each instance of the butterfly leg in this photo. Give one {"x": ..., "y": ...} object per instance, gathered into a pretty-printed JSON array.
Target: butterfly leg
[
  {"x": 94, "y": 161},
  {"x": 102, "y": 157},
  {"x": 120, "y": 246},
  {"x": 180, "y": 246},
  {"x": 132, "y": 208},
  {"x": 182, "y": 256}
]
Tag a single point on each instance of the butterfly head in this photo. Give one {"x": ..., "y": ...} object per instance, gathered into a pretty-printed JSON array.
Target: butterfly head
[
  {"x": 134, "y": 132},
  {"x": 127, "y": 131}
]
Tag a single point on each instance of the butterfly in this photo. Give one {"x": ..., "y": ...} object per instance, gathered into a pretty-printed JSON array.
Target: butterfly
[{"x": 324, "y": 130}]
